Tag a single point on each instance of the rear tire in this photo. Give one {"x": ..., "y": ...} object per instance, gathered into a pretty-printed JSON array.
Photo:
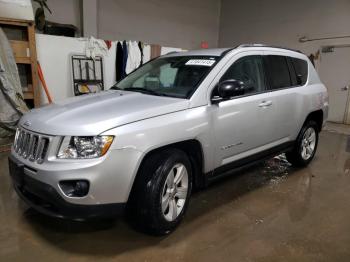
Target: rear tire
[
  {"x": 161, "y": 192},
  {"x": 305, "y": 146}
]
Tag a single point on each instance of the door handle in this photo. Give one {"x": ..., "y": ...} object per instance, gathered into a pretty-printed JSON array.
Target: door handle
[
  {"x": 265, "y": 103},
  {"x": 345, "y": 88}
]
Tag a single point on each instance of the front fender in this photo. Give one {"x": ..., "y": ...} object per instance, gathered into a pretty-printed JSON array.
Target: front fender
[{"x": 156, "y": 132}]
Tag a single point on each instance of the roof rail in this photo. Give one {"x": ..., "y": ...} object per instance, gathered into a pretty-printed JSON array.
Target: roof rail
[
  {"x": 272, "y": 46},
  {"x": 172, "y": 52}
]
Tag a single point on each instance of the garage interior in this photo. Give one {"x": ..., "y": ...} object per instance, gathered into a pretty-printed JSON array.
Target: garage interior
[{"x": 268, "y": 212}]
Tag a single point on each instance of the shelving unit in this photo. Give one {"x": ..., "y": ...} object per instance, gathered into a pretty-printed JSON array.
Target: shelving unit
[{"x": 21, "y": 34}]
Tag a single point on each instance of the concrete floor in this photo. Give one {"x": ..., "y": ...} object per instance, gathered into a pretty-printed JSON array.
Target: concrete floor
[
  {"x": 268, "y": 213},
  {"x": 338, "y": 128}
]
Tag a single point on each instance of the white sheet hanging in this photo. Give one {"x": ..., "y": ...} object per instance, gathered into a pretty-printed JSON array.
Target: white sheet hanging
[
  {"x": 134, "y": 57},
  {"x": 146, "y": 53},
  {"x": 166, "y": 50},
  {"x": 95, "y": 47}
]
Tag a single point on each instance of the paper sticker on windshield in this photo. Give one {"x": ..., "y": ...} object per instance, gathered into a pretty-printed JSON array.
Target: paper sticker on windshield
[{"x": 200, "y": 62}]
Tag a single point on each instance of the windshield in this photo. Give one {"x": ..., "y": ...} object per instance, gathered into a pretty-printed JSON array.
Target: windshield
[{"x": 177, "y": 76}]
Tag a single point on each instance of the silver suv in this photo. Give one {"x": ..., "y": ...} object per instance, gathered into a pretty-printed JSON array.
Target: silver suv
[{"x": 178, "y": 122}]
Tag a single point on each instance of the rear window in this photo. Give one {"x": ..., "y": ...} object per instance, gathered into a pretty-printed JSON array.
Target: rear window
[
  {"x": 301, "y": 70},
  {"x": 279, "y": 71}
]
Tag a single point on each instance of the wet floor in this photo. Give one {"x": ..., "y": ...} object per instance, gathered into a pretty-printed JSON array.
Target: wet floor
[{"x": 271, "y": 212}]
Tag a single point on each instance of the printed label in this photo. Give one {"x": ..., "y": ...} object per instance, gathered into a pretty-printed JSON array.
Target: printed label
[{"x": 200, "y": 62}]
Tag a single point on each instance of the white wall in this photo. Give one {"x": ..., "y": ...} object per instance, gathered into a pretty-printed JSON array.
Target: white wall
[
  {"x": 181, "y": 23},
  {"x": 54, "y": 56},
  {"x": 282, "y": 23}
]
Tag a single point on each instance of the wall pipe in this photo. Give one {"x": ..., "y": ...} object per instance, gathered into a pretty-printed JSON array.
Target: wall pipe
[{"x": 305, "y": 39}]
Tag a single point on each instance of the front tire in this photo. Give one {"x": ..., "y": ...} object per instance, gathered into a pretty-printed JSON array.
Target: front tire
[
  {"x": 161, "y": 193},
  {"x": 305, "y": 146}
]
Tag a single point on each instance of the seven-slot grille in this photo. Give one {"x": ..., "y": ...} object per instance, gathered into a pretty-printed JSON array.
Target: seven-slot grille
[{"x": 30, "y": 145}]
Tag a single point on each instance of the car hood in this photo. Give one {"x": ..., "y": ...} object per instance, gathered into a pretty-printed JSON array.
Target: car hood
[{"x": 93, "y": 114}]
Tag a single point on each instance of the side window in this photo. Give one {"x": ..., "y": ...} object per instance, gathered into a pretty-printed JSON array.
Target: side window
[
  {"x": 279, "y": 72},
  {"x": 301, "y": 70},
  {"x": 250, "y": 71}
]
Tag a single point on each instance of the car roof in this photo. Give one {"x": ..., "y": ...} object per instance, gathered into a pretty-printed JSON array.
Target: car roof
[{"x": 223, "y": 51}]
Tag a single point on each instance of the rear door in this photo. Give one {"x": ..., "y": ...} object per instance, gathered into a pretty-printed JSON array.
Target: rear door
[{"x": 282, "y": 86}]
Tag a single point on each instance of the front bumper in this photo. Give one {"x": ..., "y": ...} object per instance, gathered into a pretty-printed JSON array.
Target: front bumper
[
  {"x": 110, "y": 178},
  {"x": 45, "y": 199}
]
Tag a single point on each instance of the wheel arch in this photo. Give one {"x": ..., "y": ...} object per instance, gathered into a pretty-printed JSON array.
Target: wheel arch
[
  {"x": 316, "y": 116},
  {"x": 193, "y": 149}
]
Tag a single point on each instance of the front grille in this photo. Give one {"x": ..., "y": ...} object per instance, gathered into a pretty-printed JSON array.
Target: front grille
[{"x": 31, "y": 146}]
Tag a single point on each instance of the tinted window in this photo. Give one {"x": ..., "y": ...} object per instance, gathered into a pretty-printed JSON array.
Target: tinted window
[
  {"x": 249, "y": 70},
  {"x": 279, "y": 72},
  {"x": 300, "y": 68}
]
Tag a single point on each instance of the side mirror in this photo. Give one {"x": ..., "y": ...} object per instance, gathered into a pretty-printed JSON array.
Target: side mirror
[{"x": 230, "y": 88}]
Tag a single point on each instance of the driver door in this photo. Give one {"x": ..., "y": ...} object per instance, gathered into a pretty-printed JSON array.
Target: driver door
[{"x": 242, "y": 124}]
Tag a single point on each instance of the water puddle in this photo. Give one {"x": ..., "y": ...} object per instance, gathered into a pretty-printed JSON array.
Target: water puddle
[
  {"x": 347, "y": 149},
  {"x": 347, "y": 167},
  {"x": 277, "y": 169}
]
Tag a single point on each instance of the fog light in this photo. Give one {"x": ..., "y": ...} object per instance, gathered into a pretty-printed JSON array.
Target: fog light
[{"x": 75, "y": 188}]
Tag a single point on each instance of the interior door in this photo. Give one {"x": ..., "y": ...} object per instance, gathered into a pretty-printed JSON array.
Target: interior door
[
  {"x": 242, "y": 124},
  {"x": 335, "y": 74}
]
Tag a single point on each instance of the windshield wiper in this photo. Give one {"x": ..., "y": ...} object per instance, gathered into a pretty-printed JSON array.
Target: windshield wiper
[{"x": 143, "y": 90}]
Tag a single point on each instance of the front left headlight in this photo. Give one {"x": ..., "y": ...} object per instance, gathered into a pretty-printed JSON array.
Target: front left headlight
[{"x": 84, "y": 147}]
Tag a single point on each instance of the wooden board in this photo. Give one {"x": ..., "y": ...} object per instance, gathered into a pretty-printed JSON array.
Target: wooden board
[
  {"x": 23, "y": 60},
  {"x": 34, "y": 62},
  {"x": 28, "y": 95},
  {"x": 17, "y": 22},
  {"x": 25, "y": 53},
  {"x": 20, "y": 49}
]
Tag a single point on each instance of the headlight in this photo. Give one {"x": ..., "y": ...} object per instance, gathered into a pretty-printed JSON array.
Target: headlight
[{"x": 80, "y": 147}]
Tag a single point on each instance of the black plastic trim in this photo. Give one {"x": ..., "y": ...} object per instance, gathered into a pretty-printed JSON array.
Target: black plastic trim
[
  {"x": 45, "y": 199},
  {"x": 271, "y": 46},
  {"x": 223, "y": 54},
  {"x": 243, "y": 163}
]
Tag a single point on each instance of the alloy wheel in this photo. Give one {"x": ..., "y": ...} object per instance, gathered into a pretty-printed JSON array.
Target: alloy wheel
[
  {"x": 174, "y": 192},
  {"x": 308, "y": 143}
]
